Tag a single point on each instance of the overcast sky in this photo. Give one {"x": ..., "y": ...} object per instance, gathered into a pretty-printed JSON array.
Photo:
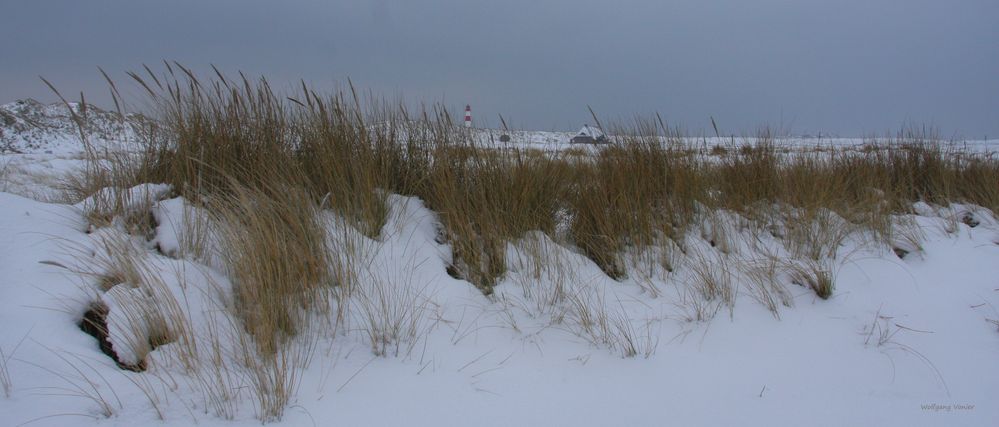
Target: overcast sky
[{"x": 849, "y": 67}]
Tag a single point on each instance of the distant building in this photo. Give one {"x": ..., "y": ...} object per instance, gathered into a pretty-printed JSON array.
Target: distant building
[{"x": 589, "y": 135}]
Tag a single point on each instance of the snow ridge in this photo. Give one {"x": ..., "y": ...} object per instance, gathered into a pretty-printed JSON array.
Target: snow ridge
[{"x": 29, "y": 126}]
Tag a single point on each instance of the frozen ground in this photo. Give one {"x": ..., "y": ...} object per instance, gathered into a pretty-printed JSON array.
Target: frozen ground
[{"x": 903, "y": 341}]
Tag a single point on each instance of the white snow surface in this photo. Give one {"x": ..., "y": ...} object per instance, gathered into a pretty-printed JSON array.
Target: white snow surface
[{"x": 906, "y": 342}]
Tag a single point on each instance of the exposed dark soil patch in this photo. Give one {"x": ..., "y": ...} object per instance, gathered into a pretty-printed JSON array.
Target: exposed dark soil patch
[
  {"x": 95, "y": 324},
  {"x": 453, "y": 272},
  {"x": 969, "y": 220}
]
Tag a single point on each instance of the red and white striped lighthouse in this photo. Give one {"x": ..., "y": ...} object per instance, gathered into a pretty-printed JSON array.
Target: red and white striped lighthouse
[{"x": 468, "y": 116}]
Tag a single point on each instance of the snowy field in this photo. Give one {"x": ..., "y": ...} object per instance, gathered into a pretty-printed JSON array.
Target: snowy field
[
  {"x": 559, "y": 141},
  {"x": 906, "y": 340}
]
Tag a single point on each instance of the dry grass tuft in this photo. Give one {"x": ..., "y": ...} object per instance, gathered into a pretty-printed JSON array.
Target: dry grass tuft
[
  {"x": 589, "y": 315},
  {"x": 816, "y": 275},
  {"x": 274, "y": 246},
  {"x": 392, "y": 311},
  {"x": 487, "y": 199},
  {"x": 5, "y": 381},
  {"x": 765, "y": 284},
  {"x": 633, "y": 194},
  {"x": 713, "y": 277}
]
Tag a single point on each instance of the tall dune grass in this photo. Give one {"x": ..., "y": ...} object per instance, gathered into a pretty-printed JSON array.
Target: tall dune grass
[
  {"x": 269, "y": 166},
  {"x": 347, "y": 153}
]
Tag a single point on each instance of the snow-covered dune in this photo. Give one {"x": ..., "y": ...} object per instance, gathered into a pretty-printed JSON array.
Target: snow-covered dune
[
  {"x": 909, "y": 337},
  {"x": 28, "y": 126},
  {"x": 903, "y": 341}
]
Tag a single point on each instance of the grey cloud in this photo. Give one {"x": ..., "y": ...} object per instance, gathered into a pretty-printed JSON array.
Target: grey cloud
[{"x": 847, "y": 67}]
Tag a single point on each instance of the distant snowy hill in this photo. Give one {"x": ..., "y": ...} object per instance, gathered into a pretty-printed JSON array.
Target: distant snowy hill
[{"x": 28, "y": 126}]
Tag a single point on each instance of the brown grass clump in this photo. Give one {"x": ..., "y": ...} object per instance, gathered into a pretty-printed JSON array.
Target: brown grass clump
[
  {"x": 815, "y": 276},
  {"x": 274, "y": 247},
  {"x": 635, "y": 193},
  {"x": 487, "y": 199}
]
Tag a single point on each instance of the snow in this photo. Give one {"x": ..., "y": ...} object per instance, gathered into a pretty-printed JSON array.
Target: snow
[
  {"x": 901, "y": 341},
  {"x": 556, "y": 141},
  {"x": 28, "y": 126}
]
